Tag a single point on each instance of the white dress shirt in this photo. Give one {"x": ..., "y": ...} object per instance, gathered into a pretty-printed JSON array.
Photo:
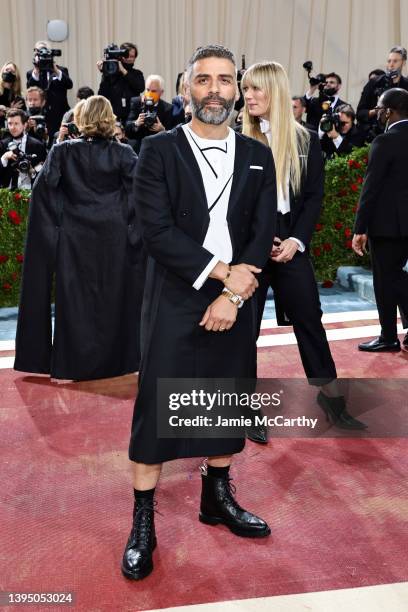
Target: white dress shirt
[
  {"x": 24, "y": 180},
  {"x": 283, "y": 201},
  {"x": 215, "y": 159}
]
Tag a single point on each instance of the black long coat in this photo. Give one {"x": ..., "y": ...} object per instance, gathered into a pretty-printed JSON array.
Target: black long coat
[
  {"x": 174, "y": 218},
  {"x": 82, "y": 231}
]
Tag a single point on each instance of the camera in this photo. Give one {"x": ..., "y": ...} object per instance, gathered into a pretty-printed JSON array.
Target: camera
[
  {"x": 319, "y": 79},
  {"x": 112, "y": 54},
  {"x": 330, "y": 119},
  {"x": 44, "y": 58},
  {"x": 40, "y": 126},
  {"x": 386, "y": 81},
  {"x": 150, "y": 111},
  {"x": 24, "y": 162},
  {"x": 72, "y": 129}
]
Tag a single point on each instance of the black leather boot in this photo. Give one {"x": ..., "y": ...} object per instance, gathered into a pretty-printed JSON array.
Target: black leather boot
[
  {"x": 336, "y": 412},
  {"x": 137, "y": 559},
  {"x": 219, "y": 506}
]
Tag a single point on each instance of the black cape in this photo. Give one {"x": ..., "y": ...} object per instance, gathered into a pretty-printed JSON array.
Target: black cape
[{"x": 82, "y": 234}]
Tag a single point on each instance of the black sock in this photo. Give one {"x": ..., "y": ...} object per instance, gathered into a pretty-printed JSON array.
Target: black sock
[
  {"x": 148, "y": 494},
  {"x": 218, "y": 472}
]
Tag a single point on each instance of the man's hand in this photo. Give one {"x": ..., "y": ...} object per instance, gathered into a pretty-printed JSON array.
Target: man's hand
[
  {"x": 140, "y": 120},
  {"x": 359, "y": 243},
  {"x": 333, "y": 134},
  {"x": 220, "y": 315},
  {"x": 122, "y": 69},
  {"x": 287, "y": 250},
  {"x": 99, "y": 65},
  {"x": 9, "y": 155},
  {"x": 157, "y": 126}
]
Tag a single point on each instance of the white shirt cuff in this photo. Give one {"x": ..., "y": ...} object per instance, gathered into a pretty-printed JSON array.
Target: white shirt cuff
[
  {"x": 58, "y": 75},
  {"x": 320, "y": 132},
  {"x": 301, "y": 246},
  {"x": 4, "y": 162},
  {"x": 337, "y": 141},
  {"x": 200, "y": 280}
]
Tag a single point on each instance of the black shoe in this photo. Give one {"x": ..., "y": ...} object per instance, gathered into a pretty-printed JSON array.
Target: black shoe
[
  {"x": 137, "y": 562},
  {"x": 380, "y": 345},
  {"x": 219, "y": 506},
  {"x": 404, "y": 343},
  {"x": 336, "y": 413},
  {"x": 256, "y": 433}
]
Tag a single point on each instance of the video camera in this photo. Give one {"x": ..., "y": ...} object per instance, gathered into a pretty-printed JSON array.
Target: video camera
[
  {"x": 385, "y": 82},
  {"x": 40, "y": 126},
  {"x": 24, "y": 162},
  {"x": 330, "y": 119},
  {"x": 44, "y": 58},
  {"x": 112, "y": 55},
  {"x": 319, "y": 79}
]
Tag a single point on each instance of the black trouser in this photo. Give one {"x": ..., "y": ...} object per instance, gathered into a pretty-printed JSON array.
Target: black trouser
[
  {"x": 296, "y": 294},
  {"x": 388, "y": 257}
]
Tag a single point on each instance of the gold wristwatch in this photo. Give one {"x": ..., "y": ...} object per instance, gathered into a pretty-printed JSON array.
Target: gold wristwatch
[{"x": 234, "y": 298}]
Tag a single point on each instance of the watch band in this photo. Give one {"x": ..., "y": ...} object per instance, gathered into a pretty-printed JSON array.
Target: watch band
[{"x": 234, "y": 298}]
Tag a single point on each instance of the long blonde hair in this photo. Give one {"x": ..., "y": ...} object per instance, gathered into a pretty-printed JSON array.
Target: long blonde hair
[
  {"x": 95, "y": 117},
  {"x": 290, "y": 140},
  {"x": 16, "y": 86}
]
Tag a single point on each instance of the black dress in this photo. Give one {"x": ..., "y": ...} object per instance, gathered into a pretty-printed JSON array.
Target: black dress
[{"x": 82, "y": 231}]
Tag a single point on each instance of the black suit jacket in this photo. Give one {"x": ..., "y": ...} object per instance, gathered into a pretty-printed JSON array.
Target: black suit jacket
[
  {"x": 383, "y": 206},
  {"x": 369, "y": 98},
  {"x": 164, "y": 113},
  {"x": 173, "y": 209},
  {"x": 314, "y": 111},
  {"x": 122, "y": 87},
  {"x": 57, "y": 102},
  {"x": 33, "y": 147},
  {"x": 305, "y": 206}
]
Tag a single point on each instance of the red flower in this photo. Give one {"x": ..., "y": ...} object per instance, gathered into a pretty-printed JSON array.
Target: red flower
[
  {"x": 327, "y": 247},
  {"x": 348, "y": 244},
  {"x": 350, "y": 163},
  {"x": 4, "y": 258},
  {"x": 20, "y": 258},
  {"x": 357, "y": 164},
  {"x": 354, "y": 187},
  {"x": 347, "y": 232},
  {"x": 14, "y": 275},
  {"x": 338, "y": 225},
  {"x": 1, "y": 211},
  {"x": 14, "y": 217},
  {"x": 317, "y": 251},
  {"x": 365, "y": 160},
  {"x": 18, "y": 197},
  {"x": 359, "y": 179},
  {"x": 319, "y": 227},
  {"x": 6, "y": 286},
  {"x": 327, "y": 284}
]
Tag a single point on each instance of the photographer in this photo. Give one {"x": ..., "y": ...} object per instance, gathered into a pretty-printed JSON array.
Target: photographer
[
  {"x": 21, "y": 155},
  {"x": 125, "y": 83},
  {"x": 328, "y": 87},
  {"x": 366, "y": 109},
  {"x": 69, "y": 130},
  {"x": 149, "y": 114},
  {"x": 53, "y": 79},
  {"x": 38, "y": 125},
  {"x": 10, "y": 86},
  {"x": 343, "y": 134}
]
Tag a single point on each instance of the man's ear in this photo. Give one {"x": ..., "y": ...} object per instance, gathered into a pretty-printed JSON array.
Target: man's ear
[{"x": 237, "y": 94}]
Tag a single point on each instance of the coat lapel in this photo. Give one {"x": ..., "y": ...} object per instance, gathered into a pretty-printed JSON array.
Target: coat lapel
[
  {"x": 243, "y": 150},
  {"x": 191, "y": 167}
]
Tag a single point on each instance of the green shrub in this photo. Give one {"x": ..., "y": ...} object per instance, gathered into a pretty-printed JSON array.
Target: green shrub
[
  {"x": 13, "y": 224},
  {"x": 331, "y": 243}
]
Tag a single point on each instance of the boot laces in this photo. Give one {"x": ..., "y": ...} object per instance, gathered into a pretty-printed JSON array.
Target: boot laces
[{"x": 143, "y": 519}]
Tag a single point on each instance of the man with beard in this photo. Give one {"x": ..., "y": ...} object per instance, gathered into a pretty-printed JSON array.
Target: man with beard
[
  {"x": 206, "y": 200},
  {"x": 330, "y": 93}
]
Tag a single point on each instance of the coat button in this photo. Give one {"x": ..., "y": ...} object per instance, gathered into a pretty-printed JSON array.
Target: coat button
[{"x": 184, "y": 213}]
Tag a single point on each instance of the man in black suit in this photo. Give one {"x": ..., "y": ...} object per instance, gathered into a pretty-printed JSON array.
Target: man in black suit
[
  {"x": 329, "y": 93},
  {"x": 299, "y": 108},
  {"x": 341, "y": 139},
  {"x": 149, "y": 114},
  {"x": 55, "y": 83},
  {"x": 382, "y": 217},
  {"x": 366, "y": 109},
  {"x": 206, "y": 200},
  {"x": 127, "y": 83},
  {"x": 10, "y": 176}
]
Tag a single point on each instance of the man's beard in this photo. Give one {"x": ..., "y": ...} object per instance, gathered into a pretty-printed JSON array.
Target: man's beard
[{"x": 212, "y": 116}]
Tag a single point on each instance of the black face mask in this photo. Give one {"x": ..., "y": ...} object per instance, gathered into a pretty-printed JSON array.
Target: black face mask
[
  {"x": 35, "y": 110},
  {"x": 127, "y": 66},
  {"x": 8, "y": 77}
]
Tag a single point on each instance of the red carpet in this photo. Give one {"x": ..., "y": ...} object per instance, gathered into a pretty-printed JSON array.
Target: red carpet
[{"x": 337, "y": 507}]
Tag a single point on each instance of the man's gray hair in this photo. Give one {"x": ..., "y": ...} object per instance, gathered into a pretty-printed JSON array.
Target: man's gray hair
[
  {"x": 401, "y": 50},
  {"x": 208, "y": 51},
  {"x": 158, "y": 78}
]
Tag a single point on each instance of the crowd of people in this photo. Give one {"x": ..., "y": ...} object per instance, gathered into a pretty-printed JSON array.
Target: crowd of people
[
  {"x": 141, "y": 111},
  {"x": 168, "y": 257}
]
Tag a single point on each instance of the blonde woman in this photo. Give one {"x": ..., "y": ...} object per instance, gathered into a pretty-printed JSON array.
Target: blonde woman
[
  {"x": 82, "y": 231},
  {"x": 268, "y": 117},
  {"x": 10, "y": 86}
]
